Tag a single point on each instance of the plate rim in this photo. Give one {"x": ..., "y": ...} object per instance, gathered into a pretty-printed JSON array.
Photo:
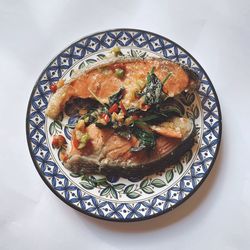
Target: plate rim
[{"x": 144, "y": 217}]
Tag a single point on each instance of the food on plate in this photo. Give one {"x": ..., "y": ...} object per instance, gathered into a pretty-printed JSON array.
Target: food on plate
[{"x": 130, "y": 123}]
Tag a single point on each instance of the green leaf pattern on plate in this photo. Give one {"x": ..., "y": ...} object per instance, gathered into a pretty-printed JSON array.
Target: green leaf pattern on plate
[
  {"x": 55, "y": 127},
  {"x": 137, "y": 53},
  {"x": 169, "y": 175}
]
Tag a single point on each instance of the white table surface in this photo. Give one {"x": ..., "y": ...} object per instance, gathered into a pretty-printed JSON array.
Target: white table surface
[{"x": 217, "y": 34}]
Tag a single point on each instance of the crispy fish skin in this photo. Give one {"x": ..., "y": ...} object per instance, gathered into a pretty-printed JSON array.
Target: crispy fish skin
[{"x": 101, "y": 81}]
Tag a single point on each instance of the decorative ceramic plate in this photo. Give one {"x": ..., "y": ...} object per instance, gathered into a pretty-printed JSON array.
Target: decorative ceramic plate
[{"x": 114, "y": 198}]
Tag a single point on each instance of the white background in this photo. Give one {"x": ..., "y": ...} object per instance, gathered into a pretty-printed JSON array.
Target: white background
[{"x": 216, "y": 33}]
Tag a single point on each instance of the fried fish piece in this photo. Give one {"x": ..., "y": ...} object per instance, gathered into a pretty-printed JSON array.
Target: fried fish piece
[{"x": 106, "y": 152}]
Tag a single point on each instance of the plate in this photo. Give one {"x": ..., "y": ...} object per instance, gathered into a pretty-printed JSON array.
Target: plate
[{"x": 113, "y": 198}]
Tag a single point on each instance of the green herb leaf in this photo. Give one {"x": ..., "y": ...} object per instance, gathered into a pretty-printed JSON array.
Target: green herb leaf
[
  {"x": 116, "y": 97},
  {"x": 141, "y": 124},
  {"x": 132, "y": 111},
  {"x": 148, "y": 118},
  {"x": 153, "y": 91},
  {"x": 100, "y": 125},
  {"x": 170, "y": 111},
  {"x": 147, "y": 139}
]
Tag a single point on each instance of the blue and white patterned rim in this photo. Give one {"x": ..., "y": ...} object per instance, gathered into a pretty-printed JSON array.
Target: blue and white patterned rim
[{"x": 99, "y": 207}]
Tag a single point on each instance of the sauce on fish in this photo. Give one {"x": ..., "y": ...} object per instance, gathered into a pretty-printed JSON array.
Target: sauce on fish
[{"x": 97, "y": 147}]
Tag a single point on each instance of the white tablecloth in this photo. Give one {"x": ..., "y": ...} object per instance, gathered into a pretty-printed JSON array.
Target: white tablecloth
[{"x": 216, "y": 33}]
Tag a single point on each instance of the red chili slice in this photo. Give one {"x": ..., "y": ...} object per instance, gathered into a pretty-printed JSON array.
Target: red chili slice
[
  {"x": 124, "y": 111},
  {"x": 113, "y": 108},
  {"x": 105, "y": 117}
]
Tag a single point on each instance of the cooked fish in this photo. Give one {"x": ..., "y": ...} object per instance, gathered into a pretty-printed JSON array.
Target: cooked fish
[
  {"x": 101, "y": 82},
  {"x": 127, "y": 127},
  {"x": 109, "y": 153}
]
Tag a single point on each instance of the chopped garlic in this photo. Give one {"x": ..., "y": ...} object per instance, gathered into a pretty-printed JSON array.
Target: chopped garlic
[
  {"x": 80, "y": 125},
  {"x": 128, "y": 121},
  {"x": 117, "y": 117}
]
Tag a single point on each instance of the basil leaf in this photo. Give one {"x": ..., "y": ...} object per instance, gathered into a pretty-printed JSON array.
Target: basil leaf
[
  {"x": 116, "y": 97},
  {"x": 148, "y": 118},
  {"x": 147, "y": 139},
  {"x": 153, "y": 91},
  {"x": 132, "y": 111},
  {"x": 171, "y": 110},
  {"x": 100, "y": 125}
]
